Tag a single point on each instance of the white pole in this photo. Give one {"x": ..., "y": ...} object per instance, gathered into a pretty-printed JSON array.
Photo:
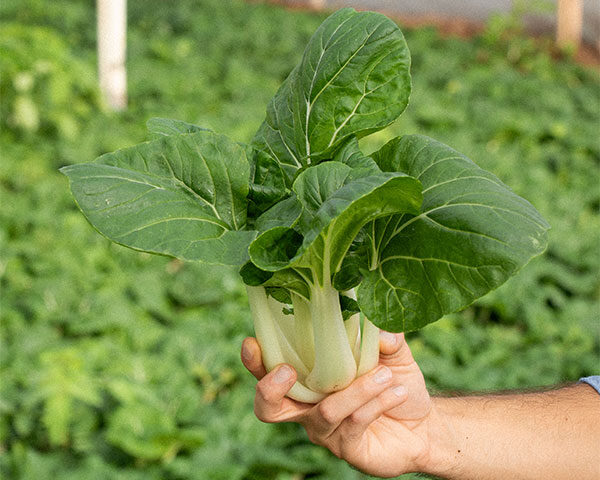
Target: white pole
[
  {"x": 569, "y": 23},
  {"x": 112, "y": 28},
  {"x": 317, "y": 4}
]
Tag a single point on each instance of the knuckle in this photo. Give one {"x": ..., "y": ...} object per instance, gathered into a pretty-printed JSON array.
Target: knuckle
[
  {"x": 356, "y": 418},
  {"x": 366, "y": 387},
  {"x": 261, "y": 404},
  {"x": 262, "y": 391},
  {"x": 327, "y": 412},
  {"x": 312, "y": 436}
]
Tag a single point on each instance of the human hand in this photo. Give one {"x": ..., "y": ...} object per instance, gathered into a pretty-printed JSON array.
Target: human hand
[{"x": 380, "y": 423}]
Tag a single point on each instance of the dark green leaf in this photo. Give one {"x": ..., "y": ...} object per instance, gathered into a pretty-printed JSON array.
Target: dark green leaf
[
  {"x": 349, "y": 307},
  {"x": 353, "y": 80},
  {"x": 333, "y": 213},
  {"x": 280, "y": 294},
  {"x": 290, "y": 280},
  {"x": 283, "y": 214},
  {"x": 183, "y": 195},
  {"x": 350, "y": 154},
  {"x": 315, "y": 185},
  {"x": 357, "y": 259},
  {"x": 344, "y": 211},
  {"x": 254, "y": 276},
  {"x": 472, "y": 234},
  {"x": 267, "y": 182},
  {"x": 273, "y": 249},
  {"x": 278, "y": 284}
]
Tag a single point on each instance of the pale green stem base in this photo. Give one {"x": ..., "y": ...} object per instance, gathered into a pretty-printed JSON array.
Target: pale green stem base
[{"x": 327, "y": 353}]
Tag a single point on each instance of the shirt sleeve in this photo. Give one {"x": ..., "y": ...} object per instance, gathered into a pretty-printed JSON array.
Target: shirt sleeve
[{"x": 593, "y": 381}]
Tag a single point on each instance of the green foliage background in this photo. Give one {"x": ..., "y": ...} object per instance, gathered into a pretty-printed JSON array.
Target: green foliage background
[{"x": 121, "y": 365}]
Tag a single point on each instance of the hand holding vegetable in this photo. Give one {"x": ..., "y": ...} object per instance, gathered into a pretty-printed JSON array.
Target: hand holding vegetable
[
  {"x": 380, "y": 423},
  {"x": 386, "y": 424}
]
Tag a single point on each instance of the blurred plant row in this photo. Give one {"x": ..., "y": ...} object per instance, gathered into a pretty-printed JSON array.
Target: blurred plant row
[{"x": 116, "y": 364}]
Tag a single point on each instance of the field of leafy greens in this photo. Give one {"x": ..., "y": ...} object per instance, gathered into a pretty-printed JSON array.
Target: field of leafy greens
[{"x": 120, "y": 365}]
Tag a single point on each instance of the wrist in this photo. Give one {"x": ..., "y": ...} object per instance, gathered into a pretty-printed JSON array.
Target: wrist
[{"x": 444, "y": 443}]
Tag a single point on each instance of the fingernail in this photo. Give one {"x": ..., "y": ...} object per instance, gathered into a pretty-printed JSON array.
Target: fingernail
[
  {"x": 246, "y": 353},
  {"x": 382, "y": 375},
  {"x": 282, "y": 374},
  {"x": 400, "y": 390},
  {"x": 388, "y": 337}
]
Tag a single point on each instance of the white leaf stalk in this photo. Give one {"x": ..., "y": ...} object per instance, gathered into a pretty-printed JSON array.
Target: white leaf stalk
[{"x": 327, "y": 352}]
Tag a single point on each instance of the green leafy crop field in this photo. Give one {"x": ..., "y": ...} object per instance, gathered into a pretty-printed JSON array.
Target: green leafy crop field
[{"x": 121, "y": 365}]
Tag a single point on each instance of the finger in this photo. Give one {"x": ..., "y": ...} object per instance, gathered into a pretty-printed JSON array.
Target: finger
[
  {"x": 393, "y": 349},
  {"x": 331, "y": 411},
  {"x": 270, "y": 403},
  {"x": 389, "y": 343},
  {"x": 252, "y": 357},
  {"x": 357, "y": 423}
]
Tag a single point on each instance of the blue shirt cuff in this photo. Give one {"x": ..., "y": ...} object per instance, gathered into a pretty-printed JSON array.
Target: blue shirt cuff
[{"x": 593, "y": 381}]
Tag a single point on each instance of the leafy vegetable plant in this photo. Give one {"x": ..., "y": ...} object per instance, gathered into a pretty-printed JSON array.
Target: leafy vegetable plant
[{"x": 332, "y": 244}]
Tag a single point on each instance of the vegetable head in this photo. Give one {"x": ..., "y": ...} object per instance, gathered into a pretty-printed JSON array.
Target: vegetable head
[{"x": 331, "y": 243}]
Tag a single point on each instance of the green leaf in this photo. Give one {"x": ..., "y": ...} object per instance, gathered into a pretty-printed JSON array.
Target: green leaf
[
  {"x": 283, "y": 214},
  {"x": 471, "y": 235},
  {"x": 288, "y": 279},
  {"x": 353, "y": 80},
  {"x": 350, "y": 154},
  {"x": 349, "y": 307},
  {"x": 342, "y": 214},
  {"x": 254, "y": 276},
  {"x": 182, "y": 195},
  {"x": 333, "y": 213},
  {"x": 164, "y": 127},
  {"x": 268, "y": 183},
  {"x": 356, "y": 260},
  {"x": 317, "y": 184},
  {"x": 274, "y": 249},
  {"x": 279, "y": 294}
]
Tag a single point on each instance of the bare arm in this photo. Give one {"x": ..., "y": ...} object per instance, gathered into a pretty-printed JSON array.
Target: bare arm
[
  {"x": 553, "y": 435},
  {"x": 386, "y": 424}
]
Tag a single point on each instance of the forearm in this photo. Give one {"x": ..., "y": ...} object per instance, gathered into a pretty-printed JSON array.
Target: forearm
[{"x": 554, "y": 435}]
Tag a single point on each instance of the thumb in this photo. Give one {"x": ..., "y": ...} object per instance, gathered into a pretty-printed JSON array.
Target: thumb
[
  {"x": 396, "y": 355},
  {"x": 269, "y": 402},
  {"x": 393, "y": 349}
]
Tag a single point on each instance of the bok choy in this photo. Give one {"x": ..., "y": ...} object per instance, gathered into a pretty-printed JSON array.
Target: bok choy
[{"x": 332, "y": 244}]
